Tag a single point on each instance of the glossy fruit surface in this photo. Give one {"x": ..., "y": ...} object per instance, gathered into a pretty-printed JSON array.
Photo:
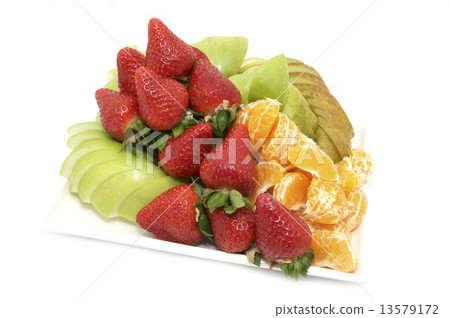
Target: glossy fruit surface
[{"x": 280, "y": 234}]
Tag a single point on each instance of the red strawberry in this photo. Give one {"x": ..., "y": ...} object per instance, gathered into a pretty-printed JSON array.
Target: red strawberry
[
  {"x": 117, "y": 112},
  {"x": 198, "y": 54},
  {"x": 167, "y": 54},
  {"x": 172, "y": 216},
  {"x": 209, "y": 88},
  {"x": 181, "y": 156},
  {"x": 234, "y": 232},
  {"x": 128, "y": 61},
  {"x": 280, "y": 234},
  {"x": 231, "y": 165},
  {"x": 162, "y": 100}
]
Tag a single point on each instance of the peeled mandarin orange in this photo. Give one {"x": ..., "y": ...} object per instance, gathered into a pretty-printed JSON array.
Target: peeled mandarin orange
[
  {"x": 284, "y": 135},
  {"x": 338, "y": 227},
  {"x": 356, "y": 210},
  {"x": 259, "y": 117},
  {"x": 347, "y": 177},
  {"x": 305, "y": 173},
  {"x": 308, "y": 156},
  {"x": 263, "y": 117},
  {"x": 362, "y": 165},
  {"x": 242, "y": 117},
  {"x": 270, "y": 173},
  {"x": 326, "y": 202},
  {"x": 333, "y": 250},
  {"x": 292, "y": 190}
]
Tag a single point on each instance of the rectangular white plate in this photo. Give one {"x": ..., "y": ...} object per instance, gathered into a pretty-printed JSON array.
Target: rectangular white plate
[{"x": 70, "y": 216}]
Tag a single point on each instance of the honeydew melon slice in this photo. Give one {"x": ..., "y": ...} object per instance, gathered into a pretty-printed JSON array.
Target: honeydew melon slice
[
  {"x": 270, "y": 80},
  {"x": 97, "y": 174},
  {"x": 90, "y": 159},
  {"x": 81, "y": 127},
  {"x": 143, "y": 195},
  {"x": 243, "y": 83},
  {"x": 84, "y": 148},
  {"x": 225, "y": 52},
  {"x": 108, "y": 196},
  {"x": 249, "y": 63},
  {"x": 77, "y": 139}
]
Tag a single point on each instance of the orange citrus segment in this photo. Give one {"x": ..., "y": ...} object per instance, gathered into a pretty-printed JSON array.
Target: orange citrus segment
[
  {"x": 242, "y": 117},
  {"x": 308, "y": 156},
  {"x": 356, "y": 210},
  {"x": 282, "y": 138},
  {"x": 333, "y": 250},
  {"x": 259, "y": 117},
  {"x": 347, "y": 177},
  {"x": 362, "y": 165},
  {"x": 326, "y": 202},
  {"x": 338, "y": 227},
  {"x": 262, "y": 119},
  {"x": 292, "y": 190},
  {"x": 270, "y": 173}
]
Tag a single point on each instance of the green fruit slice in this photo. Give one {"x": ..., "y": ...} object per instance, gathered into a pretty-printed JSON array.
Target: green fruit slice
[
  {"x": 112, "y": 74},
  {"x": 225, "y": 52},
  {"x": 108, "y": 196},
  {"x": 270, "y": 80},
  {"x": 243, "y": 83},
  {"x": 142, "y": 196},
  {"x": 90, "y": 159},
  {"x": 296, "y": 68},
  {"x": 98, "y": 173},
  {"x": 297, "y": 109},
  {"x": 113, "y": 84},
  {"x": 84, "y": 148},
  {"x": 251, "y": 62},
  {"x": 81, "y": 127},
  {"x": 77, "y": 139}
]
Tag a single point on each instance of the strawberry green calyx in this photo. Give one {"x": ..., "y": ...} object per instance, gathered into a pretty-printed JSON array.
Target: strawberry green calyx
[
  {"x": 299, "y": 265},
  {"x": 203, "y": 221},
  {"x": 230, "y": 200},
  {"x": 223, "y": 118},
  {"x": 189, "y": 119}
]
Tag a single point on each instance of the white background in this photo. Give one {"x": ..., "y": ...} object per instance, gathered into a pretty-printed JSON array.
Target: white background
[{"x": 391, "y": 70}]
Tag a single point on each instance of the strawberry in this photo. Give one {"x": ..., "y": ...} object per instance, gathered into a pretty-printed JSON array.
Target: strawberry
[
  {"x": 171, "y": 216},
  {"x": 198, "y": 54},
  {"x": 128, "y": 61},
  {"x": 280, "y": 234},
  {"x": 167, "y": 54},
  {"x": 117, "y": 112},
  {"x": 231, "y": 165},
  {"x": 178, "y": 157},
  {"x": 162, "y": 101},
  {"x": 234, "y": 232},
  {"x": 208, "y": 88}
]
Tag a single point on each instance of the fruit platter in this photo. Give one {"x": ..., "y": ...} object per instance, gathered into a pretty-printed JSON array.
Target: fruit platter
[{"x": 199, "y": 150}]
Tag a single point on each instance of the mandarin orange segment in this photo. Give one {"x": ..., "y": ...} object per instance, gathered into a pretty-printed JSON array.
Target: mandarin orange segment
[
  {"x": 347, "y": 177},
  {"x": 326, "y": 202},
  {"x": 262, "y": 119},
  {"x": 292, "y": 190},
  {"x": 356, "y": 210},
  {"x": 284, "y": 136},
  {"x": 242, "y": 117},
  {"x": 308, "y": 156},
  {"x": 270, "y": 173},
  {"x": 259, "y": 117},
  {"x": 362, "y": 165},
  {"x": 333, "y": 250},
  {"x": 338, "y": 227}
]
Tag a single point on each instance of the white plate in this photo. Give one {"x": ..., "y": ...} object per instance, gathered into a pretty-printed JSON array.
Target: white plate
[{"x": 70, "y": 216}]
